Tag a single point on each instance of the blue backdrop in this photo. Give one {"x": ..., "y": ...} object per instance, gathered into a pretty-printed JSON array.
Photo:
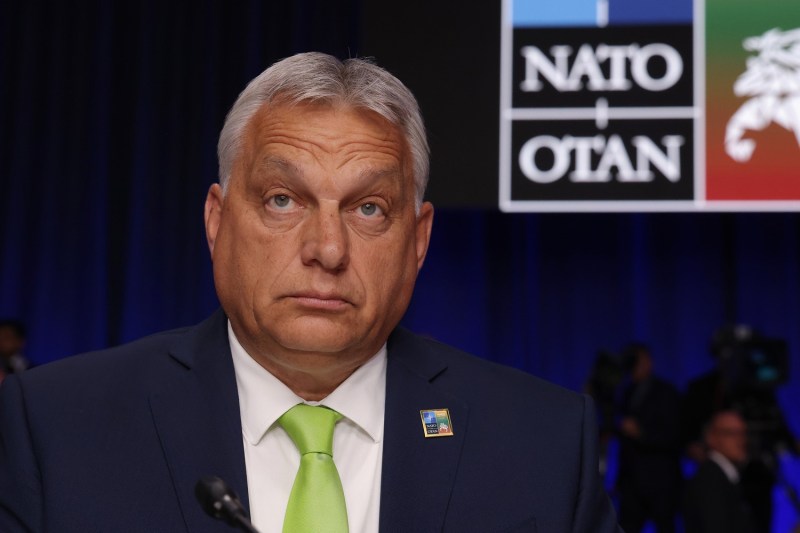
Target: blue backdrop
[{"x": 110, "y": 114}]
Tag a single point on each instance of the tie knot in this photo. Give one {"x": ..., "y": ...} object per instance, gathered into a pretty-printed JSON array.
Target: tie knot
[{"x": 310, "y": 427}]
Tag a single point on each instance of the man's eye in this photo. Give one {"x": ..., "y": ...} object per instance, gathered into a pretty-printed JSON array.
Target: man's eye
[
  {"x": 280, "y": 200},
  {"x": 369, "y": 209}
]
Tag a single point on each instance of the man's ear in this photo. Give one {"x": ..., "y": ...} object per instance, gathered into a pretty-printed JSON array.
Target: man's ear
[
  {"x": 213, "y": 214},
  {"x": 424, "y": 225}
]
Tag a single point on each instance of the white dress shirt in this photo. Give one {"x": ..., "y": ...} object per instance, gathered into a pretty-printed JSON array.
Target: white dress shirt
[{"x": 272, "y": 459}]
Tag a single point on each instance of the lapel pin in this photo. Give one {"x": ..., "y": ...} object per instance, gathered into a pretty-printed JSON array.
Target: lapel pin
[{"x": 436, "y": 423}]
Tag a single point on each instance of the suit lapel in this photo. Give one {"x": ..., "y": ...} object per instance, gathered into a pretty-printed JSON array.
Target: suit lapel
[
  {"x": 418, "y": 472},
  {"x": 196, "y": 412}
]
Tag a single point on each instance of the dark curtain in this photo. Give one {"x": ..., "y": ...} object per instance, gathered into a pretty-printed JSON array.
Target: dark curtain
[{"x": 110, "y": 114}]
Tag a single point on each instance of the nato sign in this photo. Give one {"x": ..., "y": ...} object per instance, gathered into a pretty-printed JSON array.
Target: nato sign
[{"x": 636, "y": 105}]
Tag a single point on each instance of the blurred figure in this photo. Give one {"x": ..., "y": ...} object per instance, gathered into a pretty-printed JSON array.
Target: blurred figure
[
  {"x": 649, "y": 477},
  {"x": 603, "y": 386},
  {"x": 749, "y": 368},
  {"x": 12, "y": 342},
  {"x": 714, "y": 500}
]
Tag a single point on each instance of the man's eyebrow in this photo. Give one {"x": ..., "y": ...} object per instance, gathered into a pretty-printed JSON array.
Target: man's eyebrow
[
  {"x": 272, "y": 162},
  {"x": 366, "y": 174},
  {"x": 373, "y": 173}
]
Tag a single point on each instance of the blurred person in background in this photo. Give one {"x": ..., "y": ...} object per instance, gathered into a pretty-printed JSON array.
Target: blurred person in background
[
  {"x": 714, "y": 500},
  {"x": 12, "y": 343},
  {"x": 649, "y": 478},
  {"x": 748, "y": 370}
]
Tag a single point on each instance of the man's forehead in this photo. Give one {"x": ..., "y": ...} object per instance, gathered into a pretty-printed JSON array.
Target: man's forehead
[
  {"x": 289, "y": 166},
  {"x": 287, "y": 112},
  {"x": 361, "y": 135},
  {"x": 726, "y": 422}
]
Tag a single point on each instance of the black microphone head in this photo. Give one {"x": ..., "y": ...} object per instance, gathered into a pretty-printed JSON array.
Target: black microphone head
[{"x": 218, "y": 499}]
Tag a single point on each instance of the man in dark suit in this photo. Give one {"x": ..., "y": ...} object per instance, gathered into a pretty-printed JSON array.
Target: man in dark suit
[
  {"x": 317, "y": 231},
  {"x": 714, "y": 502},
  {"x": 649, "y": 457}
]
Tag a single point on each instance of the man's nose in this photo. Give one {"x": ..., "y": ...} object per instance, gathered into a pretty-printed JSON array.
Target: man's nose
[{"x": 326, "y": 241}]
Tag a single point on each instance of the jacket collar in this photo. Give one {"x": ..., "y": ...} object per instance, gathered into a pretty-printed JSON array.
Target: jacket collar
[{"x": 195, "y": 409}]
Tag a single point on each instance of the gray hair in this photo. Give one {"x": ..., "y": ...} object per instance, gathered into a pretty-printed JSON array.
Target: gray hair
[{"x": 317, "y": 77}]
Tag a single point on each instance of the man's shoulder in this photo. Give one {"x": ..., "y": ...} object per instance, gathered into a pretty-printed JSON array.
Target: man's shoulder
[
  {"x": 139, "y": 361},
  {"x": 709, "y": 472},
  {"x": 133, "y": 353},
  {"x": 478, "y": 378}
]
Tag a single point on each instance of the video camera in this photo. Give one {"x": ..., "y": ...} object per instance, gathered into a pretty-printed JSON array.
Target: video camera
[{"x": 748, "y": 361}]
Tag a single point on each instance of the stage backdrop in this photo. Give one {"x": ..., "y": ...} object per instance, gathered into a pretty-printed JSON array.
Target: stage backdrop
[{"x": 110, "y": 113}]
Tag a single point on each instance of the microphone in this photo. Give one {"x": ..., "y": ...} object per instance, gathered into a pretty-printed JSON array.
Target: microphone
[{"x": 220, "y": 502}]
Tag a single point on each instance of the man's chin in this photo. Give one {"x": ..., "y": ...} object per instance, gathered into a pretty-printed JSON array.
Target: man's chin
[
  {"x": 325, "y": 339},
  {"x": 321, "y": 334},
  {"x": 321, "y": 347}
]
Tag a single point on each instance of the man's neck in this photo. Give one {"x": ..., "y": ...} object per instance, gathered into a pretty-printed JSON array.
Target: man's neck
[{"x": 311, "y": 376}]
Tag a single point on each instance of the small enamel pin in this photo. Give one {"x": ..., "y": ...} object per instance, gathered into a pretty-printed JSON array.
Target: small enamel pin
[{"x": 436, "y": 423}]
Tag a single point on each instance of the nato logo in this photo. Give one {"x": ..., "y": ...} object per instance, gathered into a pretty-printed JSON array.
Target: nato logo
[
  {"x": 436, "y": 423},
  {"x": 598, "y": 104}
]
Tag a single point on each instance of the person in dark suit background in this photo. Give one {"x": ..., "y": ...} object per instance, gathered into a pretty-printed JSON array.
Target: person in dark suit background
[
  {"x": 317, "y": 231},
  {"x": 649, "y": 477},
  {"x": 714, "y": 501},
  {"x": 12, "y": 344}
]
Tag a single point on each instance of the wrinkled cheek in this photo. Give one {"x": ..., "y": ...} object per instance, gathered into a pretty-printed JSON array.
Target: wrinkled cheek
[
  {"x": 396, "y": 290},
  {"x": 228, "y": 278},
  {"x": 406, "y": 274},
  {"x": 239, "y": 275},
  {"x": 261, "y": 302}
]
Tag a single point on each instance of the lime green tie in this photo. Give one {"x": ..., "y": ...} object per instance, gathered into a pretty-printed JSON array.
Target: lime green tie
[{"x": 316, "y": 504}]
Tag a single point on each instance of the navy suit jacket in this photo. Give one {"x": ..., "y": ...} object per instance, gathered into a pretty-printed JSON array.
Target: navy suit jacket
[{"x": 116, "y": 440}]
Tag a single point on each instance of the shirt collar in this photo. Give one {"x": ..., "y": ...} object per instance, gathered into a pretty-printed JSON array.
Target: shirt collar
[
  {"x": 362, "y": 396},
  {"x": 728, "y": 468},
  {"x": 263, "y": 398}
]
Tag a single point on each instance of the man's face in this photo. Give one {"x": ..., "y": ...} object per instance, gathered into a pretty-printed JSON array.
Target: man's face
[
  {"x": 316, "y": 244},
  {"x": 728, "y": 436}
]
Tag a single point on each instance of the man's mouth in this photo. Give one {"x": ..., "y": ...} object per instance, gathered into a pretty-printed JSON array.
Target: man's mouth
[{"x": 323, "y": 301}]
